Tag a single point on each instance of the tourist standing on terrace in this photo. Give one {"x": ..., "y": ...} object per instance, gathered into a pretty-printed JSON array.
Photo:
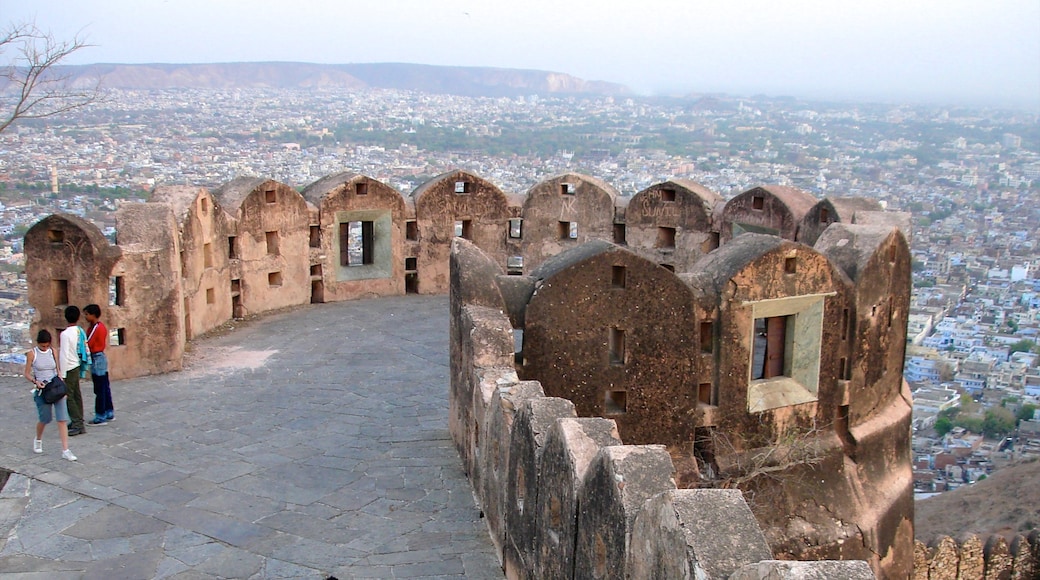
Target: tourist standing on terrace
[{"x": 97, "y": 340}]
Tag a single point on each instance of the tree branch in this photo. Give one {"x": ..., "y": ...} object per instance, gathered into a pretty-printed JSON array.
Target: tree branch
[{"x": 30, "y": 88}]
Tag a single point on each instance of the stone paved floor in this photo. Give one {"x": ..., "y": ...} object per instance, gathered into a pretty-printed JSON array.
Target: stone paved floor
[{"x": 305, "y": 444}]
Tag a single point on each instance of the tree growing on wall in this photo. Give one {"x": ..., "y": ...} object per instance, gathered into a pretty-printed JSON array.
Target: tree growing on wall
[{"x": 30, "y": 85}]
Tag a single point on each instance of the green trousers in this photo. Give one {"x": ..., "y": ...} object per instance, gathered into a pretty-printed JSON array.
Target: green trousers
[{"x": 74, "y": 399}]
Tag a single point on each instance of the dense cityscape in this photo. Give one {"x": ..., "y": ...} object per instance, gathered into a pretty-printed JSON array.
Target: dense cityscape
[{"x": 971, "y": 178}]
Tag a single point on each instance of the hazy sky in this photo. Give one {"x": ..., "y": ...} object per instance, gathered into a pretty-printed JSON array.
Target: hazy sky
[{"x": 967, "y": 51}]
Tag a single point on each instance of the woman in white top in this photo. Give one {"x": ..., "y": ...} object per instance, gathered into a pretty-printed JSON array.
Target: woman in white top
[{"x": 41, "y": 365}]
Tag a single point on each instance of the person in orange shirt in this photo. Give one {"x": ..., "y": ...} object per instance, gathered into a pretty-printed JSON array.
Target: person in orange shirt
[{"x": 97, "y": 340}]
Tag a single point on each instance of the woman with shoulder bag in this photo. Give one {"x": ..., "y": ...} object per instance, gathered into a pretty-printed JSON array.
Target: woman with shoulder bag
[{"x": 41, "y": 365}]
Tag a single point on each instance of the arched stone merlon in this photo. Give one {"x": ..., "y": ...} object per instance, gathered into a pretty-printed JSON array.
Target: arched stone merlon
[
  {"x": 534, "y": 420},
  {"x": 1027, "y": 560},
  {"x": 877, "y": 259},
  {"x": 273, "y": 243},
  {"x": 68, "y": 262},
  {"x": 368, "y": 260},
  {"x": 999, "y": 561},
  {"x": 695, "y": 534},
  {"x": 484, "y": 361},
  {"x": 618, "y": 335},
  {"x": 771, "y": 209},
  {"x": 833, "y": 210},
  {"x": 570, "y": 448},
  {"x": 972, "y": 561},
  {"x": 617, "y": 484},
  {"x": 497, "y": 429},
  {"x": 898, "y": 219},
  {"x": 945, "y": 559},
  {"x": 149, "y": 313},
  {"x": 766, "y": 279},
  {"x": 457, "y": 202},
  {"x": 671, "y": 223},
  {"x": 786, "y": 570},
  {"x": 206, "y": 264},
  {"x": 564, "y": 211}
]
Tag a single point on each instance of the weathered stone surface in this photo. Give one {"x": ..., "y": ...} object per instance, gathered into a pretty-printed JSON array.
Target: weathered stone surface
[
  {"x": 617, "y": 483},
  {"x": 671, "y": 223},
  {"x": 506, "y": 401},
  {"x": 786, "y": 570},
  {"x": 571, "y": 446},
  {"x": 945, "y": 560},
  {"x": 999, "y": 562},
  {"x": 526, "y": 480},
  {"x": 695, "y": 533},
  {"x": 555, "y": 205}
]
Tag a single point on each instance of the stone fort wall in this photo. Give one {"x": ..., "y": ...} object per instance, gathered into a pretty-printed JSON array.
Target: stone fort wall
[{"x": 703, "y": 331}]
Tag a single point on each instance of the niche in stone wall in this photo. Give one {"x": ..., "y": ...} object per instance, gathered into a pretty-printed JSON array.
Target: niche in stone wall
[{"x": 363, "y": 243}]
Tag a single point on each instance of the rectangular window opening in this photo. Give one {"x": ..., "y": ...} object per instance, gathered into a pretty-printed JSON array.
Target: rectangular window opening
[
  {"x": 236, "y": 287},
  {"x": 845, "y": 324},
  {"x": 619, "y": 234},
  {"x": 568, "y": 230},
  {"x": 567, "y": 189},
  {"x": 824, "y": 215},
  {"x": 211, "y": 296},
  {"x": 464, "y": 229},
  {"x": 55, "y": 236},
  {"x": 518, "y": 346},
  {"x": 668, "y": 267},
  {"x": 704, "y": 393},
  {"x": 710, "y": 243},
  {"x": 770, "y": 348},
  {"x": 411, "y": 283},
  {"x": 617, "y": 346},
  {"x": 274, "y": 279},
  {"x": 204, "y": 204},
  {"x": 60, "y": 292},
  {"x": 315, "y": 237},
  {"x": 842, "y": 370},
  {"x": 667, "y": 195},
  {"x": 758, "y": 202},
  {"x": 411, "y": 264},
  {"x": 515, "y": 226},
  {"x": 707, "y": 336},
  {"x": 207, "y": 255},
  {"x": 116, "y": 291},
  {"x": 270, "y": 196},
  {"x": 515, "y": 265},
  {"x": 232, "y": 248},
  {"x": 272, "y": 242},
  {"x": 360, "y": 189},
  {"x": 463, "y": 187},
  {"x": 618, "y": 277},
  {"x": 117, "y": 337},
  {"x": 615, "y": 402},
  {"x": 665, "y": 238},
  {"x": 356, "y": 243},
  {"x": 411, "y": 230},
  {"x": 315, "y": 269},
  {"x": 790, "y": 265}
]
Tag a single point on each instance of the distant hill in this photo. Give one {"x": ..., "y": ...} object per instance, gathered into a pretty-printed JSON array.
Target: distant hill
[
  {"x": 1006, "y": 503},
  {"x": 453, "y": 80}
]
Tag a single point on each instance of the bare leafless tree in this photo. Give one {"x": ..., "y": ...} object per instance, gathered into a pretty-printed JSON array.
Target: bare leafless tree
[{"x": 30, "y": 87}]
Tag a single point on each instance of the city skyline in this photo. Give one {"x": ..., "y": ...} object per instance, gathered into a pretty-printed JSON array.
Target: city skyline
[{"x": 955, "y": 52}]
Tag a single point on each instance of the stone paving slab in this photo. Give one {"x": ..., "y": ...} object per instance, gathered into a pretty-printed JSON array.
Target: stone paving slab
[{"x": 306, "y": 444}]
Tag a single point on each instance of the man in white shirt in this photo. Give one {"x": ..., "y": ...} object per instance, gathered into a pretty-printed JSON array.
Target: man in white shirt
[{"x": 68, "y": 367}]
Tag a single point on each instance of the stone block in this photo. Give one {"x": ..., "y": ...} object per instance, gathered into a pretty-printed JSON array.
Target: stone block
[
  {"x": 485, "y": 382},
  {"x": 616, "y": 485},
  {"x": 494, "y": 460},
  {"x": 570, "y": 447},
  {"x": 695, "y": 533},
  {"x": 526, "y": 480},
  {"x": 786, "y": 570}
]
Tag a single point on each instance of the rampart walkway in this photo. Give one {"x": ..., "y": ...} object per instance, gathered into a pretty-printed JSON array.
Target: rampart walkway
[{"x": 302, "y": 445}]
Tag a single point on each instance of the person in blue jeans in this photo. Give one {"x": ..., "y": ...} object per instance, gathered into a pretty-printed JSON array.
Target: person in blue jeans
[{"x": 97, "y": 341}]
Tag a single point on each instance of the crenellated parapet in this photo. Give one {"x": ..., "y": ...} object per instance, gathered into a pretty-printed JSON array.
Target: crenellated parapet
[
  {"x": 978, "y": 558},
  {"x": 254, "y": 245},
  {"x": 574, "y": 501}
]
